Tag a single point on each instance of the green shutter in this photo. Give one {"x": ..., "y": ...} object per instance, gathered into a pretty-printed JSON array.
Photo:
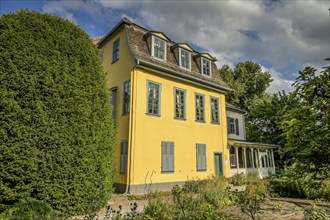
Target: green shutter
[
  {"x": 167, "y": 156},
  {"x": 201, "y": 157},
  {"x": 228, "y": 125},
  {"x": 236, "y": 124}
]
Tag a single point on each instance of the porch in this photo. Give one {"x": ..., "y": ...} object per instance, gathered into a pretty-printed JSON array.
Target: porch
[{"x": 250, "y": 157}]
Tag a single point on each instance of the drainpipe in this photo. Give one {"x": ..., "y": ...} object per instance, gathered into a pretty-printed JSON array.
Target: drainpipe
[{"x": 130, "y": 135}]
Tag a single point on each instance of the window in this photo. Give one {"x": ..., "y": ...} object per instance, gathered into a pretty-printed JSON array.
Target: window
[
  {"x": 158, "y": 48},
  {"x": 241, "y": 159},
  {"x": 115, "y": 51},
  {"x": 126, "y": 97},
  {"x": 184, "y": 58},
  {"x": 199, "y": 104},
  {"x": 123, "y": 156},
  {"x": 206, "y": 67},
  {"x": 113, "y": 102},
  {"x": 232, "y": 125},
  {"x": 233, "y": 158},
  {"x": 179, "y": 104},
  {"x": 201, "y": 157},
  {"x": 153, "y": 105},
  {"x": 215, "y": 110},
  {"x": 249, "y": 158},
  {"x": 102, "y": 55},
  {"x": 167, "y": 156}
]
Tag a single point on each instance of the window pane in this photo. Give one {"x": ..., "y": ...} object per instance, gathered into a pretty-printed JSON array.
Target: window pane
[
  {"x": 159, "y": 48},
  {"x": 126, "y": 98},
  {"x": 115, "y": 51},
  {"x": 179, "y": 103},
  {"x": 184, "y": 58},
  {"x": 153, "y": 98}
]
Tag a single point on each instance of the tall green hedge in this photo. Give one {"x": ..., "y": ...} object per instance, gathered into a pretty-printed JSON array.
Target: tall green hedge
[{"x": 56, "y": 131}]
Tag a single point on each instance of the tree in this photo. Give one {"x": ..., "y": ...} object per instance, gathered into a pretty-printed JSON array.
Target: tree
[
  {"x": 56, "y": 131},
  {"x": 247, "y": 81},
  {"x": 306, "y": 127}
]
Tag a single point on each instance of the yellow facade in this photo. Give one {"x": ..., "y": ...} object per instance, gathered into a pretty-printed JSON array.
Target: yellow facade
[{"x": 145, "y": 133}]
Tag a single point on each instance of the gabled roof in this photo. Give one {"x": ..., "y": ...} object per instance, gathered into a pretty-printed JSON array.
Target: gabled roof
[
  {"x": 138, "y": 46},
  {"x": 234, "y": 108},
  {"x": 157, "y": 34}
]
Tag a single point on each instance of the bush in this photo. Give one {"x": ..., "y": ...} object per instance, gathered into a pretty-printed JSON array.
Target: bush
[
  {"x": 28, "y": 209},
  {"x": 56, "y": 132},
  {"x": 313, "y": 212},
  {"x": 238, "y": 179},
  {"x": 254, "y": 195},
  {"x": 197, "y": 199},
  {"x": 300, "y": 187}
]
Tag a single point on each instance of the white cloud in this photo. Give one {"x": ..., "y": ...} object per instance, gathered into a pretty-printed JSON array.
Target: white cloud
[
  {"x": 285, "y": 34},
  {"x": 278, "y": 83}
]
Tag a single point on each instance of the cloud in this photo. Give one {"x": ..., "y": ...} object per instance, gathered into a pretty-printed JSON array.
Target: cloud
[
  {"x": 278, "y": 83},
  {"x": 286, "y": 35}
]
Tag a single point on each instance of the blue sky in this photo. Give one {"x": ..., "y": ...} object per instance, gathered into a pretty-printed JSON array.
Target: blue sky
[{"x": 282, "y": 36}]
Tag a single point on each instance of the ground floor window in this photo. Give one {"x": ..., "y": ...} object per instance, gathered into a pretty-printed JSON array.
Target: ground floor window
[
  {"x": 123, "y": 156},
  {"x": 233, "y": 163}
]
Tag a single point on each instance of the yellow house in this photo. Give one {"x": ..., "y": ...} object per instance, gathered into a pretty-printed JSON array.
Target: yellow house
[{"x": 169, "y": 110}]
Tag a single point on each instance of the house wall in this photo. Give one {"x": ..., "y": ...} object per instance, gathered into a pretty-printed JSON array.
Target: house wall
[
  {"x": 241, "y": 125},
  {"x": 149, "y": 131},
  {"x": 117, "y": 73}
]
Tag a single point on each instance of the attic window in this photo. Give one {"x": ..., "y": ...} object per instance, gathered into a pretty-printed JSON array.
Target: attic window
[
  {"x": 184, "y": 59},
  {"x": 158, "y": 48},
  {"x": 206, "y": 67}
]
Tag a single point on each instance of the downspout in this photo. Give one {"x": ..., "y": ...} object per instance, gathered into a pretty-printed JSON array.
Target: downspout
[{"x": 130, "y": 135}]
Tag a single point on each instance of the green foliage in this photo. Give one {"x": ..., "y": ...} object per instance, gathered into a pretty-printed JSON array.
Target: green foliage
[
  {"x": 197, "y": 199},
  {"x": 238, "y": 179},
  {"x": 313, "y": 212},
  {"x": 277, "y": 206},
  {"x": 56, "y": 132},
  {"x": 306, "y": 127},
  {"x": 291, "y": 185},
  {"x": 28, "y": 209},
  {"x": 247, "y": 81},
  {"x": 265, "y": 118},
  {"x": 254, "y": 195}
]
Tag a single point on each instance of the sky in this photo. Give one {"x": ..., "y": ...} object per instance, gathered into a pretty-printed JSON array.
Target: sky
[{"x": 283, "y": 36}]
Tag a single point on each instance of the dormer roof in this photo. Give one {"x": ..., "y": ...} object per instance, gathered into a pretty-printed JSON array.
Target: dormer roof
[
  {"x": 137, "y": 42},
  {"x": 157, "y": 34}
]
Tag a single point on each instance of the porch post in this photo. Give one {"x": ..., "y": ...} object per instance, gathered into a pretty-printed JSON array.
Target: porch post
[
  {"x": 237, "y": 162},
  {"x": 244, "y": 156},
  {"x": 252, "y": 156},
  {"x": 273, "y": 161}
]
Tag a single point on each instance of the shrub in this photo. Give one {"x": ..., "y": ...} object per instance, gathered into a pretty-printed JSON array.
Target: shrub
[
  {"x": 253, "y": 196},
  {"x": 56, "y": 132},
  {"x": 28, "y": 209},
  {"x": 238, "y": 179},
  {"x": 313, "y": 212}
]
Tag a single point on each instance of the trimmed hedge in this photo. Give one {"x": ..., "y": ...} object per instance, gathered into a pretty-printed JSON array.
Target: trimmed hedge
[{"x": 56, "y": 131}]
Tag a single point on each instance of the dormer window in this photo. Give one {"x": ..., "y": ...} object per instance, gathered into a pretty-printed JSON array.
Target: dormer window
[
  {"x": 184, "y": 58},
  {"x": 158, "y": 48},
  {"x": 206, "y": 67}
]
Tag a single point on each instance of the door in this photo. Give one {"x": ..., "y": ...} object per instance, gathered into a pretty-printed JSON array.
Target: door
[{"x": 218, "y": 168}]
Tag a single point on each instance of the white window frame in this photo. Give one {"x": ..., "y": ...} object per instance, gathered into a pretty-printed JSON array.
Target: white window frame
[
  {"x": 115, "y": 50},
  {"x": 158, "y": 99},
  {"x": 178, "y": 104},
  {"x": 180, "y": 58},
  {"x": 210, "y": 66},
  {"x": 153, "y": 48},
  {"x": 126, "y": 102},
  {"x": 216, "y": 109},
  {"x": 200, "y": 107}
]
